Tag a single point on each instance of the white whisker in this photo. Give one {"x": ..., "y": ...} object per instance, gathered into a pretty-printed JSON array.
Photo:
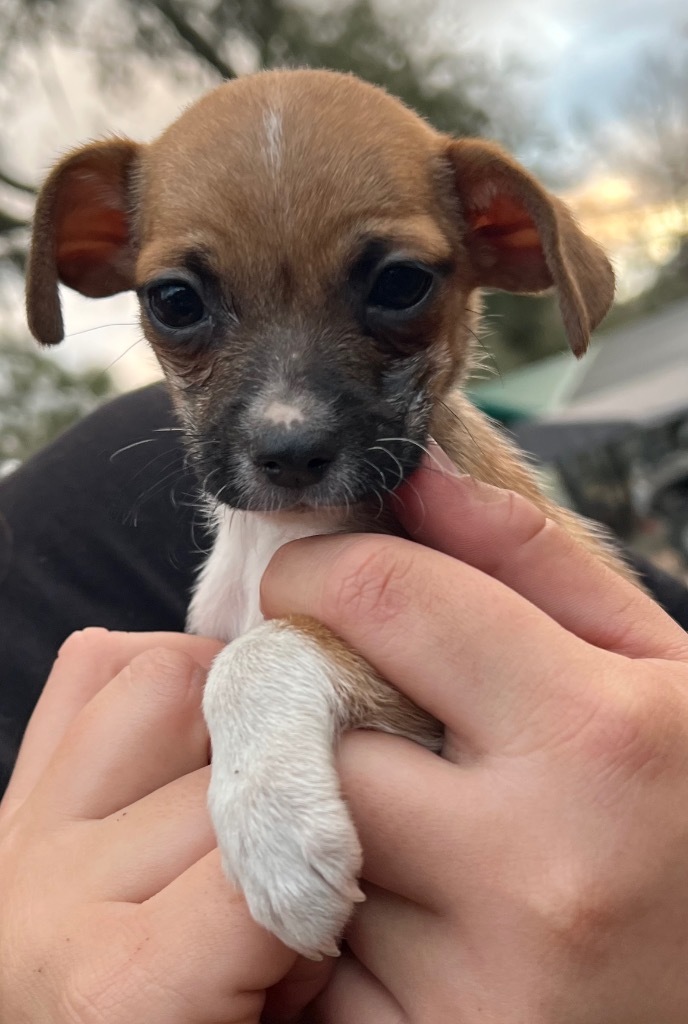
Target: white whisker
[{"x": 134, "y": 444}]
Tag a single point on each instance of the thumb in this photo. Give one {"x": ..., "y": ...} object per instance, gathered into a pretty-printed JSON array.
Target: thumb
[{"x": 506, "y": 536}]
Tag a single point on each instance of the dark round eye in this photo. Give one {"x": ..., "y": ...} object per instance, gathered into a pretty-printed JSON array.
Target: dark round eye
[
  {"x": 175, "y": 304},
  {"x": 400, "y": 286}
]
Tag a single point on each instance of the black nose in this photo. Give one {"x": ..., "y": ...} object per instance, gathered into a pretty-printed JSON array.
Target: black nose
[{"x": 294, "y": 458}]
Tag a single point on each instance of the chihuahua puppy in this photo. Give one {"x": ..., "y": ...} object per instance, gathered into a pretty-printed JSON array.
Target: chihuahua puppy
[{"x": 307, "y": 253}]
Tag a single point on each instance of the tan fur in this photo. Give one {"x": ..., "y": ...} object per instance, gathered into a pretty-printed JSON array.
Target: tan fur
[{"x": 367, "y": 701}]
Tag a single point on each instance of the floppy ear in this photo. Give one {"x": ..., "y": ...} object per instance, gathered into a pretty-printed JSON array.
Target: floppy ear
[
  {"x": 522, "y": 239},
  {"x": 81, "y": 232}
]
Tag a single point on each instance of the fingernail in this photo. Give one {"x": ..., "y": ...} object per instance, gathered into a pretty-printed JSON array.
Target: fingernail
[
  {"x": 486, "y": 494},
  {"x": 84, "y": 636},
  {"x": 480, "y": 491},
  {"x": 440, "y": 460}
]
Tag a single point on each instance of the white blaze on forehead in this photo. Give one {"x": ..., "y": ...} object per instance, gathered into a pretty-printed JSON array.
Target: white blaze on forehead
[
  {"x": 272, "y": 119},
  {"x": 283, "y": 415}
]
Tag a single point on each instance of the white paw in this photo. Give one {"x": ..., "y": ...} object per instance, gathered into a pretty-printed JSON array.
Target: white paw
[
  {"x": 293, "y": 851},
  {"x": 284, "y": 832}
]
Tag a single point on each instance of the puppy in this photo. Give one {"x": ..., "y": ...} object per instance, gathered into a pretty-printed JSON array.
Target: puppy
[{"x": 307, "y": 253}]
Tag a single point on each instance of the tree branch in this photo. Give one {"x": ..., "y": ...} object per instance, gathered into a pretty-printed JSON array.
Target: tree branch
[
  {"x": 193, "y": 39},
  {"x": 21, "y": 186},
  {"x": 9, "y": 223}
]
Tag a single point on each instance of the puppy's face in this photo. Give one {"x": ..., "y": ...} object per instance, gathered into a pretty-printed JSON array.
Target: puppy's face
[
  {"x": 301, "y": 280},
  {"x": 305, "y": 249}
]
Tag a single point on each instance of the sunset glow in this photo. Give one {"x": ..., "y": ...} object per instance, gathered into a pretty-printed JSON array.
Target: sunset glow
[{"x": 638, "y": 233}]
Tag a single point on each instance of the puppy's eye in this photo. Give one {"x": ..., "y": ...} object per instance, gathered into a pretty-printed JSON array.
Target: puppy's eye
[
  {"x": 175, "y": 304},
  {"x": 400, "y": 287}
]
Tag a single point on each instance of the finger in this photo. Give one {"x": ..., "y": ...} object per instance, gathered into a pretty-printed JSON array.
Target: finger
[
  {"x": 198, "y": 946},
  {"x": 380, "y": 933},
  {"x": 503, "y": 534},
  {"x": 86, "y": 662},
  {"x": 202, "y": 925},
  {"x": 144, "y": 729},
  {"x": 137, "y": 851},
  {"x": 388, "y": 782},
  {"x": 355, "y": 996},
  {"x": 428, "y": 623},
  {"x": 286, "y": 1001}
]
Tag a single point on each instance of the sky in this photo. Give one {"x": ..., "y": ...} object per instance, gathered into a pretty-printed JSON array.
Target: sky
[
  {"x": 586, "y": 50},
  {"x": 582, "y": 55}
]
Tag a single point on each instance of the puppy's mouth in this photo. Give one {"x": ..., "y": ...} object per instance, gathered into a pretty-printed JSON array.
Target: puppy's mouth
[
  {"x": 284, "y": 482},
  {"x": 284, "y": 450}
]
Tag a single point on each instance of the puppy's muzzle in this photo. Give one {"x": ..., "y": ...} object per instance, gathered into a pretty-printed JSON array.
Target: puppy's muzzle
[{"x": 297, "y": 457}]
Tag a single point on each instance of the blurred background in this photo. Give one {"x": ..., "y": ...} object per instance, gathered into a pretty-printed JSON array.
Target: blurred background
[{"x": 592, "y": 97}]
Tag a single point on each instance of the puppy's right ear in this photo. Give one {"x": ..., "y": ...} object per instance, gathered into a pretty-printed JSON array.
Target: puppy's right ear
[{"x": 82, "y": 235}]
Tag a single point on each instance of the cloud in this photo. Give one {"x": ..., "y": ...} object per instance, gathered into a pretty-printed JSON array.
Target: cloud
[{"x": 583, "y": 52}]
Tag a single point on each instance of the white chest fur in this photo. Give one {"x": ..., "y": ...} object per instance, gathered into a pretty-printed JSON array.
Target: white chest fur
[{"x": 226, "y": 603}]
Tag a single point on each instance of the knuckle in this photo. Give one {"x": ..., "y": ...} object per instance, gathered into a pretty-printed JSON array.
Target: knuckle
[
  {"x": 621, "y": 626},
  {"x": 581, "y": 915},
  {"x": 369, "y": 581},
  {"x": 165, "y": 673},
  {"x": 633, "y": 735}
]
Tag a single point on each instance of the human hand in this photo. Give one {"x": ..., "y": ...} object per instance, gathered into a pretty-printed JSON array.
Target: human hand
[
  {"x": 538, "y": 873},
  {"x": 114, "y": 906}
]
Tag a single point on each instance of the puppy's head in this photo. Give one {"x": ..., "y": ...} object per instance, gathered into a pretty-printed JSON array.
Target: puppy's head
[{"x": 305, "y": 250}]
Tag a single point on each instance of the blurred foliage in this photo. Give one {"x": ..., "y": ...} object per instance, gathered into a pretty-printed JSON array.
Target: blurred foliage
[
  {"x": 535, "y": 329},
  {"x": 649, "y": 141},
  {"x": 519, "y": 329},
  {"x": 670, "y": 285},
  {"x": 224, "y": 37},
  {"x": 39, "y": 399}
]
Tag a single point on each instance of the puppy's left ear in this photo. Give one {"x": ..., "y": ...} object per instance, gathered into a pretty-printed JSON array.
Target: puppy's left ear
[{"x": 522, "y": 239}]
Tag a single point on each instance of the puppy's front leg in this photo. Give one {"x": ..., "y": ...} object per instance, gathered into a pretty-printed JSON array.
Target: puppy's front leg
[{"x": 275, "y": 701}]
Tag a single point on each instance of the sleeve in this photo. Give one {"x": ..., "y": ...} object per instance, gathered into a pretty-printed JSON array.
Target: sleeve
[{"x": 103, "y": 527}]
